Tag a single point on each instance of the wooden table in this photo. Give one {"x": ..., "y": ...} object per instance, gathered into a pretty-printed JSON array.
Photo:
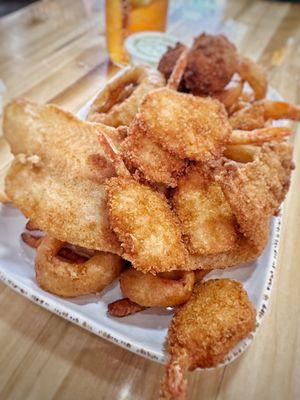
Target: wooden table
[{"x": 55, "y": 51}]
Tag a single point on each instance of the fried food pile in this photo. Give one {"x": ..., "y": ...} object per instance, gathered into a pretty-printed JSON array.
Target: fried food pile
[{"x": 177, "y": 171}]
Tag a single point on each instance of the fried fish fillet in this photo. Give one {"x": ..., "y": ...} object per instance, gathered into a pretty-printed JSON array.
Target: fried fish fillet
[
  {"x": 254, "y": 191},
  {"x": 207, "y": 221},
  {"x": 57, "y": 176},
  {"x": 146, "y": 226},
  {"x": 217, "y": 316},
  {"x": 187, "y": 126}
]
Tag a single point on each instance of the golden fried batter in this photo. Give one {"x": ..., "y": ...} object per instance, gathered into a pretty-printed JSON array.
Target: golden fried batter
[
  {"x": 152, "y": 161},
  {"x": 157, "y": 291},
  {"x": 202, "y": 332},
  {"x": 254, "y": 191},
  {"x": 146, "y": 226},
  {"x": 255, "y": 115},
  {"x": 187, "y": 126},
  {"x": 248, "y": 118},
  {"x": 230, "y": 95},
  {"x": 57, "y": 177},
  {"x": 244, "y": 251},
  {"x": 68, "y": 278},
  {"x": 207, "y": 222}
]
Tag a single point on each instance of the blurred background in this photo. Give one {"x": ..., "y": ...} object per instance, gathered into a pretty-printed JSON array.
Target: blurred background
[
  {"x": 8, "y": 6},
  {"x": 60, "y": 48}
]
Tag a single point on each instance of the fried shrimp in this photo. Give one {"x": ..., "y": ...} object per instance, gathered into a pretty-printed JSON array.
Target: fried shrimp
[
  {"x": 254, "y": 190},
  {"x": 32, "y": 241},
  {"x": 178, "y": 71},
  {"x": 231, "y": 93},
  {"x": 255, "y": 115},
  {"x": 241, "y": 152},
  {"x": 118, "y": 102},
  {"x": 157, "y": 291},
  {"x": 123, "y": 307},
  {"x": 151, "y": 162},
  {"x": 145, "y": 225},
  {"x": 255, "y": 75},
  {"x": 202, "y": 332},
  {"x": 187, "y": 126},
  {"x": 70, "y": 279},
  {"x": 262, "y": 135},
  {"x": 30, "y": 226},
  {"x": 207, "y": 222},
  {"x": 143, "y": 221}
]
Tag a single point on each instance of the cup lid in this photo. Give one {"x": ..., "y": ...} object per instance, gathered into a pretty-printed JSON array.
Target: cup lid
[{"x": 148, "y": 46}]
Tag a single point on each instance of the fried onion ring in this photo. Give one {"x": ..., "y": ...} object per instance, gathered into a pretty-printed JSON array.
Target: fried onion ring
[
  {"x": 69, "y": 279},
  {"x": 118, "y": 102},
  {"x": 157, "y": 291}
]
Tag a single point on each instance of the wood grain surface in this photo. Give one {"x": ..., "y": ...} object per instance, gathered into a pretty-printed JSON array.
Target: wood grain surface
[{"x": 54, "y": 51}]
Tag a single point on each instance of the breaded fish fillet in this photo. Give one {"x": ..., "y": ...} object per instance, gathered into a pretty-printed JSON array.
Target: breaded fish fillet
[
  {"x": 146, "y": 226},
  {"x": 207, "y": 222},
  {"x": 217, "y": 316},
  {"x": 57, "y": 176}
]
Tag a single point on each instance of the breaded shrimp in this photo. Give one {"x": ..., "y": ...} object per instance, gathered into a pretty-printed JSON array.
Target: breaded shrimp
[
  {"x": 187, "y": 126},
  {"x": 255, "y": 75},
  {"x": 154, "y": 163},
  {"x": 261, "y": 135},
  {"x": 202, "y": 332},
  {"x": 207, "y": 222},
  {"x": 255, "y": 115},
  {"x": 142, "y": 220},
  {"x": 231, "y": 93},
  {"x": 145, "y": 225},
  {"x": 254, "y": 190}
]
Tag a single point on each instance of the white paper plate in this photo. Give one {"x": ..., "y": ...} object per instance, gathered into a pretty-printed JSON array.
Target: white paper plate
[{"x": 145, "y": 332}]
